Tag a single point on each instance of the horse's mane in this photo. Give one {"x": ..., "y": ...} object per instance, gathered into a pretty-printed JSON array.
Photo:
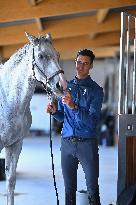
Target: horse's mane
[{"x": 17, "y": 57}]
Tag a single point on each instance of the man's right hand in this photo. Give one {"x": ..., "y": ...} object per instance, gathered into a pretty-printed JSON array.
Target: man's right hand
[{"x": 51, "y": 108}]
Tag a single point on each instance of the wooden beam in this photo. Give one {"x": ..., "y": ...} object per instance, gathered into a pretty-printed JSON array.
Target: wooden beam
[
  {"x": 34, "y": 2},
  {"x": 21, "y": 9},
  {"x": 7, "y": 51},
  {"x": 102, "y": 14},
  {"x": 38, "y": 1},
  {"x": 79, "y": 42},
  {"x": 100, "y": 52},
  {"x": 76, "y": 43},
  {"x": 60, "y": 28},
  {"x": 109, "y": 52},
  {"x": 108, "y": 39},
  {"x": 92, "y": 35},
  {"x": 38, "y": 20},
  {"x": 39, "y": 24}
]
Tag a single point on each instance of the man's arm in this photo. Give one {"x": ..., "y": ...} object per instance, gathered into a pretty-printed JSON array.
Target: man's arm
[
  {"x": 89, "y": 118},
  {"x": 57, "y": 110},
  {"x": 59, "y": 114}
]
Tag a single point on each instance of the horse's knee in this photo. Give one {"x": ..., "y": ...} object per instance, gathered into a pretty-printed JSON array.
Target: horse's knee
[
  {"x": 11, "y": 181},
  {"x": 10, "y": 177}
]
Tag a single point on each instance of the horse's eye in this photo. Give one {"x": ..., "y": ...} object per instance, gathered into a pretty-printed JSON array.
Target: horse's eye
[{"x": 40, "y": 56}]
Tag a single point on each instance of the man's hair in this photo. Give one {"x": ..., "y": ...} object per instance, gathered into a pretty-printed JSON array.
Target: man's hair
[{"x": 86, "y": 52}]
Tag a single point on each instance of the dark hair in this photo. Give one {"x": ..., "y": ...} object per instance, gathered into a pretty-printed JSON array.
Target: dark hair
[{"x": 86, "y": 52}]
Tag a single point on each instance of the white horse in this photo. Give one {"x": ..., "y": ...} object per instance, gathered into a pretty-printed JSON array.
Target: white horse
[{"x": 35, "y": 61}]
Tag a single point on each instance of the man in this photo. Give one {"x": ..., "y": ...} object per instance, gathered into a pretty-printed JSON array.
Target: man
[{"x": 80, "y": 109}]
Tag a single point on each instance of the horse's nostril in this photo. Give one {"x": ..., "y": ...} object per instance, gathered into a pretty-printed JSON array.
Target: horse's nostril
[{"x": 58, "y": 85}]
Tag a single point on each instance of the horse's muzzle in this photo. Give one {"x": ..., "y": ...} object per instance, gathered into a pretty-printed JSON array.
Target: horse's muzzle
[{"x": 59, "y": 87}]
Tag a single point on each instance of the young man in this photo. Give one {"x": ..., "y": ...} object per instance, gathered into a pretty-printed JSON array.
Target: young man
[{"x": 80, "y": 110}]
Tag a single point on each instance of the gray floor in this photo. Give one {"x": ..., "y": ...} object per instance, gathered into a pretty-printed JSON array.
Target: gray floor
[{"x": 34, "y": 174}]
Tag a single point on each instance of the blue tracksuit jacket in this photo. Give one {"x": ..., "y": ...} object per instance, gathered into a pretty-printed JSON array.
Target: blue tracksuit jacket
[{"x": 81, "y": 122}]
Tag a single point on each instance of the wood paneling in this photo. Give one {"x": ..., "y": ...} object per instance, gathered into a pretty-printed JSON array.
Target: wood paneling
[
  {"x": 130, "y": 160},
  {"x": 15, "y": 10},
  {"x": 71, "y": 27},
  {"x": 109, "y": 51},
  {"x": 102, "y": 14}
]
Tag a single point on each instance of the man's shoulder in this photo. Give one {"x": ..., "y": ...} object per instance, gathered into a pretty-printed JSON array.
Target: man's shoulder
[
  {"x": 96, "y": 86},
  {"x": 70, "y": 82}
]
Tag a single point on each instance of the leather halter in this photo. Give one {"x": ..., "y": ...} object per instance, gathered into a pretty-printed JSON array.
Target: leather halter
[{"x": 45, "y": 76}]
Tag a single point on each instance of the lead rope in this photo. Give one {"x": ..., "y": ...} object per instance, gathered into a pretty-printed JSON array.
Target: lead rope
[
  {"x": 52, "y": 159},
  {"x": 53, "y": 172}
]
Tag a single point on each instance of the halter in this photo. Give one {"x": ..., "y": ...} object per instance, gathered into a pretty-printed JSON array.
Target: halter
[{"x": 48, "y": 79}]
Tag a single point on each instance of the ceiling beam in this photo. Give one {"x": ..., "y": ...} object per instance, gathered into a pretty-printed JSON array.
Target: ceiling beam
[
  {"x": 67, "y": 45},
  {"x": 34, "y": 2},
  {"x": 39, "y": 24},
  {"x": 79, "y": 42},
  {"x": 109, "y": 51},
  {"x": 22, "y": 10},
  {"x": 92, "y": 35},
  {"x": 71, "y": 28},
  {"x": 102, "y": 14}
]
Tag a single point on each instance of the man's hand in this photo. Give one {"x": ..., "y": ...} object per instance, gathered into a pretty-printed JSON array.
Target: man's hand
[
  {"x": 67, "y": 99},
  {"x": 51, "y": 108}
]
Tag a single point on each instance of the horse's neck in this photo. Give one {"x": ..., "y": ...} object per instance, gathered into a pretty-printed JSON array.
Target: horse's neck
[{"x": 17, "y": 84}]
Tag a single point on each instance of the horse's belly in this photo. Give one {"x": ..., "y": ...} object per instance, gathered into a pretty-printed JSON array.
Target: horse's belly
[
  {"x": 13, "y": 132},
  {"x": 14, "y": 125}
]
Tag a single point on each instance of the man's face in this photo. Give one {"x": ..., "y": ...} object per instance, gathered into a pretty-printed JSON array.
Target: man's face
[{"x": 83, "y": 66}]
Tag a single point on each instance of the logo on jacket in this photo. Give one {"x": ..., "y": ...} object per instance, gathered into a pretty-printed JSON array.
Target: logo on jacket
[{"x": 84, "y": 92}]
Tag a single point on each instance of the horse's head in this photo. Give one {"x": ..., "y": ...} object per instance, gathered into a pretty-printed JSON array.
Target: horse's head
[{"x": 45, "y": 64}]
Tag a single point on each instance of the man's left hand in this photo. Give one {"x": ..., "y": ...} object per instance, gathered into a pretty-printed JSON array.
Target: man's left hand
[{"x": 67, "y": 99}]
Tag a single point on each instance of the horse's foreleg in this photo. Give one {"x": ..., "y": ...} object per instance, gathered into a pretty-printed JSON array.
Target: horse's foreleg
[{"x": 12, "y": 155}]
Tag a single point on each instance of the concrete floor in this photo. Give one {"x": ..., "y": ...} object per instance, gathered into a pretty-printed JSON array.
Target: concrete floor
[{"x": 34, "y": 174}]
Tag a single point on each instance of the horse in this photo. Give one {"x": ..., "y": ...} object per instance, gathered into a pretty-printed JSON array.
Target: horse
[{"x": 35, "y": 61}]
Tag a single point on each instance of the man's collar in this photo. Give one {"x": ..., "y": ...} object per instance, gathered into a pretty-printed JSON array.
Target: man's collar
[{"x": 84, "y": 81}]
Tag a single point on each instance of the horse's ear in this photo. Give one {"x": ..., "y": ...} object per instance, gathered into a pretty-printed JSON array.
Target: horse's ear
[
  {"x": 33, "y": 40},
  {"x": 48, "y": 36}
]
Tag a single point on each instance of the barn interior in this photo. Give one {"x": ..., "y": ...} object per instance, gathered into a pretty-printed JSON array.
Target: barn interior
[{"x": 74, "y": 25}]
